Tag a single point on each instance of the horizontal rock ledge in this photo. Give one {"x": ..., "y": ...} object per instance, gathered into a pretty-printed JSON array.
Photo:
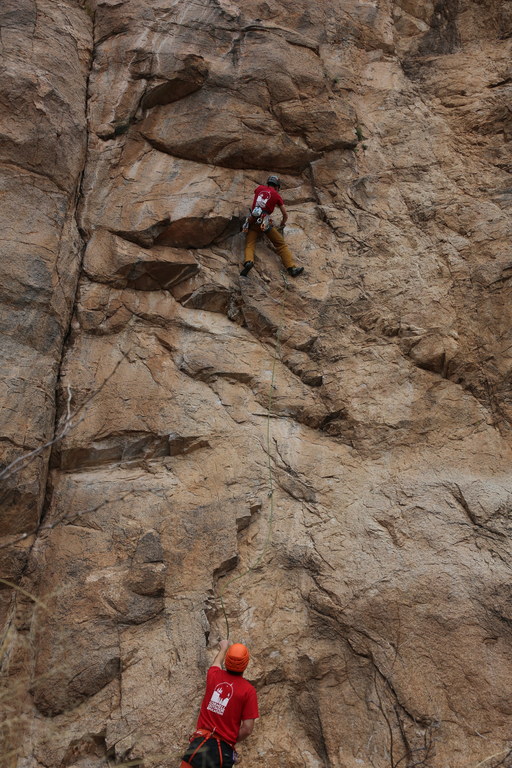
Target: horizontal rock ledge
[{"x": 114, "y": 260}]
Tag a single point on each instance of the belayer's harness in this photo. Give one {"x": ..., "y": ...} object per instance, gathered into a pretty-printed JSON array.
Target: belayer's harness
[
  {"x": 261, "y": 217},
  {"x": 203, "y": 734}
]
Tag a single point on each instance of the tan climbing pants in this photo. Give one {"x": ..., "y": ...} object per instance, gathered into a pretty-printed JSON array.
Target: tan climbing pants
[{"x": 275, "y": 238}]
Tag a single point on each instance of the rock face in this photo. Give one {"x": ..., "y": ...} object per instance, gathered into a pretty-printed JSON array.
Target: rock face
[
  {"x": 43, "y": 141},
  {"x": 320, "y": 466},
  {"x": 46, "y": 49}
]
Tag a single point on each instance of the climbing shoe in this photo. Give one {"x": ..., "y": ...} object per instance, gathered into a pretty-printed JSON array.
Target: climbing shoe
[
  {"x": 248, "y": 265},
  {"x": 295, "y": 271}
]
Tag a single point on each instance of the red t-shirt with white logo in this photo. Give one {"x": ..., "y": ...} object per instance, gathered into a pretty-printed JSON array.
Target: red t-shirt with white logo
[
  {"x": 266, "y": 198},
  {"x": 228, "y": 700}
]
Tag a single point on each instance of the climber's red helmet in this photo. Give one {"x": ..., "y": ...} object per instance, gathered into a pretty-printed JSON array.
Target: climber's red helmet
[{"x": 237, "y": 658}]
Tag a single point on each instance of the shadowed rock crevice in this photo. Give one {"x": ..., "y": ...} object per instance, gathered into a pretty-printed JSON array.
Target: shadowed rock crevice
[
  {"x": 146, "y": 237},
  {"x": 116, "y": 261},
  {"x": 123, "y": 449},
  {"x": 89, "y": 746},
  {"x": 54, "y": 693},
  {"x": 190, "y": 76},
  {"x": 193, "y": 232},
  {"x": 306, "y": 709},
  {"x": 212, "y": 298},
  {"x": 226, "y": 142},
  {"x": 442, "y": 38}
]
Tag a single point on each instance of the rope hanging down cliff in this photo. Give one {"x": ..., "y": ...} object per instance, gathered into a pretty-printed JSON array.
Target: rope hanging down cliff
[{"x": 268, "y": 537}]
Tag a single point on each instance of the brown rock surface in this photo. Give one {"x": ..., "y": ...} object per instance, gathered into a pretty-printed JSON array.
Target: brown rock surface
[
  {"x": 320, "y": 465},
  {"x": 45, "y": 60}
]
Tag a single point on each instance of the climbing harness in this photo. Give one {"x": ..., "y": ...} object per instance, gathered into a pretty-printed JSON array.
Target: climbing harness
[
  {"x": 203, "y": 736},
  {"x": 261, "y": 217}
]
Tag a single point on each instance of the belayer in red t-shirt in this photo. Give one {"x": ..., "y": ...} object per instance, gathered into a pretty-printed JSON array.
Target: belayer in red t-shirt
[
  {"x": 228, "y": 711},
  {"x": 266, "y": 197}
]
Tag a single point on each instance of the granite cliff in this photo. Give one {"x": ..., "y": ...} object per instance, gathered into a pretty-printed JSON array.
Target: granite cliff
[{"x": 321, "y": 466}]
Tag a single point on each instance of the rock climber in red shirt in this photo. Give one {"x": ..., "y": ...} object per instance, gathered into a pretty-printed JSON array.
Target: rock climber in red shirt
[
  {"x": 266, "y": 197},
  {"x": 228, "y": 711}
]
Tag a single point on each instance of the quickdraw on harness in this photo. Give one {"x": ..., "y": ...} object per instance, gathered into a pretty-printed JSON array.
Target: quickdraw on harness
[
  {"x": 261, "y": 217},
  {"x": 203, "y": 734}
]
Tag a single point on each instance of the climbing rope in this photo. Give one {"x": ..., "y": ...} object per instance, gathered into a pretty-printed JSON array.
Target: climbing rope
[{"x": 268, "y": 537}]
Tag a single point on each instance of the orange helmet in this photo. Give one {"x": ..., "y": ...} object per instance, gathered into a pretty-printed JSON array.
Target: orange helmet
[{"x": 237, "y": 658}]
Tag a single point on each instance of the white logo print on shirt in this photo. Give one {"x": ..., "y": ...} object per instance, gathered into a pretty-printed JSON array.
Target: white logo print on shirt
[
  {"x": 263, "y": 199},
  {"x": 220, "y": 698}
]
